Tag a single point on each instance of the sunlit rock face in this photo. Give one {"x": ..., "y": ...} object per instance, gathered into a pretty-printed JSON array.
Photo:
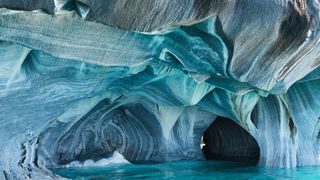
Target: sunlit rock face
[{"x": 83, "y": 81}]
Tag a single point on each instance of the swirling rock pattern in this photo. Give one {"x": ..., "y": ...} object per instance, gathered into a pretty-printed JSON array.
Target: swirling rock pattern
[{"x": 81, "y": 79}]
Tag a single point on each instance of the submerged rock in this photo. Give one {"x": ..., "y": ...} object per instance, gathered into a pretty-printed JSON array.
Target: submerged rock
[{"x": 82, "y": 81}]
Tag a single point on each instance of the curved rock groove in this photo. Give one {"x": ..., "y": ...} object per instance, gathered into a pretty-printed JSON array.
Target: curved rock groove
[{"x": 83, "y": 81}]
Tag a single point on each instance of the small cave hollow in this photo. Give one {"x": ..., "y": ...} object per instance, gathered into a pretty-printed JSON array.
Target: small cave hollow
[{"x": 227, "y": 141}]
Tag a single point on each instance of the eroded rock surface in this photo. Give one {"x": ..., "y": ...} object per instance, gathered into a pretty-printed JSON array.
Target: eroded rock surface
[{"x": 83, "y": 79}]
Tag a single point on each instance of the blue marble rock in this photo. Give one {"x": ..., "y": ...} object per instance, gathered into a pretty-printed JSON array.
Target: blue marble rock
[{"x": 83, "y": 81}]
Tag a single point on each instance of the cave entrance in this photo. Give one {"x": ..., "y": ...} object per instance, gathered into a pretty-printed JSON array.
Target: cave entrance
[{"x": 226, "y": 140}]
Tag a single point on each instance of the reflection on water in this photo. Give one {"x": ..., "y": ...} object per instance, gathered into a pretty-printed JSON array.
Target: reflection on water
[{"x": 190, "y": 170}]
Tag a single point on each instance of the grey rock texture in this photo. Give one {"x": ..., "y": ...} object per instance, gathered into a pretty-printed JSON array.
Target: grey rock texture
[{"x": 81, "y": 80}]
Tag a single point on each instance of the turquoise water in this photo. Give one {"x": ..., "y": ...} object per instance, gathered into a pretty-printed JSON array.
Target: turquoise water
[{"x": 190, "y": 170}]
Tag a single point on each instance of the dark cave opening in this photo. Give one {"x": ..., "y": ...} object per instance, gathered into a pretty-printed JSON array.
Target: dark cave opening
[{"x": 227, "y": 141}]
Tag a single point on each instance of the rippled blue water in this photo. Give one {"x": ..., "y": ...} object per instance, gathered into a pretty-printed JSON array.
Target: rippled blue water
[{"x": 190, "y": 170}]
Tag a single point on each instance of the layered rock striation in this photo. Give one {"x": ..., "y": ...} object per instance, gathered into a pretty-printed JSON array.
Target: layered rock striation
[{"x": 83, "y": 79}]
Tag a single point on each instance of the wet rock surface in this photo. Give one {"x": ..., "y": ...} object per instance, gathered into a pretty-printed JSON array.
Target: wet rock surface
[{"x": 81, "y": 80}]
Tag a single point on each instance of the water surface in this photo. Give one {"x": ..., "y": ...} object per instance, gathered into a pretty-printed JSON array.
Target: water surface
[{"x": 190, "y": 170}]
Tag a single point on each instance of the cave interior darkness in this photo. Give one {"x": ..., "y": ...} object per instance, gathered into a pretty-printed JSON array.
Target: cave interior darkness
[{"x": 225, "y": 140}]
